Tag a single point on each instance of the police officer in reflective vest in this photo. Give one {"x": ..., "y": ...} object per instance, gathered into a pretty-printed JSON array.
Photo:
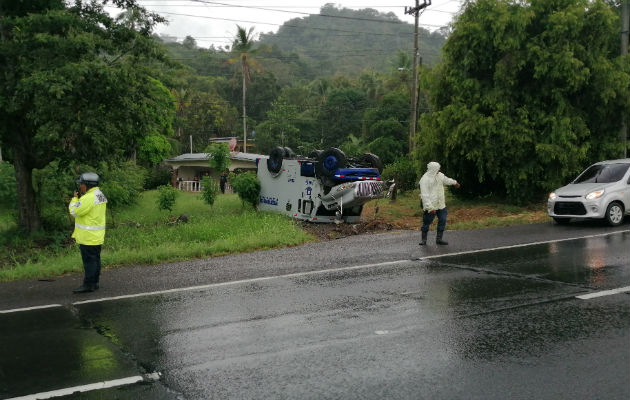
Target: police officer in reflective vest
[{"x": 89, "y": 228}]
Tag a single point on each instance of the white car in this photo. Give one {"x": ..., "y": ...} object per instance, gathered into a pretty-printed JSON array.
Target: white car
[{"x": 602, "y": 191}]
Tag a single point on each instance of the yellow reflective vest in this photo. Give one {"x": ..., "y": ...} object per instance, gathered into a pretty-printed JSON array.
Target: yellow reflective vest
[{"x": 89, "y": 217}]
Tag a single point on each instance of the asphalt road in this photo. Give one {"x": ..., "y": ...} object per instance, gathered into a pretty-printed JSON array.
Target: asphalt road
[{"x": 494, "y": 315}]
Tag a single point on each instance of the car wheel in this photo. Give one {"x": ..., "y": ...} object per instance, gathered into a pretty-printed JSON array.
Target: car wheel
[
  {"x": 329, "y": 161},
  {"x": 288, "y": 153},
  {"x": 274, "y": 162},
  {"x": 614, "y": 214},
  {"x": 561, "y": 221},
  {"x": 373, "y": 161},
  {"x": 315, "y": 154}
]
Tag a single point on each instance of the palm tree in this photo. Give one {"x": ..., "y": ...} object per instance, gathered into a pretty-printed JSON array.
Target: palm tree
[{"x": 243, "y": 45}]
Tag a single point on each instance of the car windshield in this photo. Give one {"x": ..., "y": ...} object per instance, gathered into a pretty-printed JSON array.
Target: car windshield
[{"x": 602, "y": 173}]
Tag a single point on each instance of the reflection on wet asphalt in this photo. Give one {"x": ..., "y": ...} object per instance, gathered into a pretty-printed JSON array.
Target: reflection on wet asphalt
[
  {"x": 598, "y": 263},
  {"x": 489, "y": 325}
]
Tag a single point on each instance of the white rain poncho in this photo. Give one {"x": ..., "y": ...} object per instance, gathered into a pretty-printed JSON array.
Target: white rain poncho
[{"x": 432, "y": 187}]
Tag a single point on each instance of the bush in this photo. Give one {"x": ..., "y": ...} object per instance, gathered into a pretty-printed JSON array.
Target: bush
[
  {"x": 54, "y": 186},
  {"x": 209, "y": 190},
  {"x": 122, "y": 184},
  {"x": 157, "y": 176},
  {"x": 387, "y": 148},
  {"x": 219, "y": 156},
  {"x": 166, "y": 197},
  {"x": 403, "y": 171},
  {"x": 247, "y": 186},
  {"x": 55, "y": 183}
]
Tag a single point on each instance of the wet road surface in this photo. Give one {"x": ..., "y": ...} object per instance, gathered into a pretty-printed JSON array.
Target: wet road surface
[{"x": 503, "y": 323}]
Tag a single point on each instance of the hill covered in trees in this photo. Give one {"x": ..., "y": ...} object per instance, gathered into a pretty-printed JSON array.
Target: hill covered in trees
[{"x": 345, "y": 41}]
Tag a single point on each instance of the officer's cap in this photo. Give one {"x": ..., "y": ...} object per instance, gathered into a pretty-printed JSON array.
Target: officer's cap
[{"x": 88, "y": 178}]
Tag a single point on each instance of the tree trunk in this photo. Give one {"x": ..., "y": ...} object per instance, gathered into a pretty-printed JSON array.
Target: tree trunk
[{"x": 29, "y": 219}]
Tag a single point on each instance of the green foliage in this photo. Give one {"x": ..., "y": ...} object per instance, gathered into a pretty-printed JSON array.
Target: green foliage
[
  {"x": 225, "y": 229},
  {"x": 529, "y": 93},
  {"x": 8, "y": 188},
  {"x": 78, "y": 87},
  {"x": 320, "y": 43},
  {"x": 219, "y": 156},
  {"x": 167, "y": 195},
  {"x": 343, "y": 114},
  {"x": 154, "y": 149},
  {"x": 387, "y": 148},
  {"x": 122, "y": 184},
  {"x": 209, "y": 190},
  {"x": 390, "y": 117},
  {"x": 261, "y": 93},
  {"x": 247, "y": 186},
  {"x": 404, "y": 172},
  {"x": 157, "y": 176},
  {"x": 55, "y": 184},
  {"x": 201, "y": 110},
  {"x": 353, "y": 146},
  {"x": 279, "y": 129}
]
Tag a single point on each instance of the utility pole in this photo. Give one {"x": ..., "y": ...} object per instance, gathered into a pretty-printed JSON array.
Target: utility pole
[
  {"x": 625, "y": 32},
  {"x": 244, "y": 114},
  {"x": 416, "y": 53}
]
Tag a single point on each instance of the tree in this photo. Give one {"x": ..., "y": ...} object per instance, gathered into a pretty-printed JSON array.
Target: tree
[
  {"x": 247, "y": 186},
  {"x": 153, "y": 149},
  {"x": 76, "y": 87},
  {"x": 219, "y": 156},
  {"x": 528, "y": 93},
  {"x": 167, "y": 195},
  {"x": 372, "y": 84},
  {"x": 342, "y": 115},
  {"x": 190, "y": 42},
  {"x": 389, "y": 118},
  {"x": 244, "y": 45},
  {"x": 201, "y": 112},
  {"x": 279, "y": 129},
  {"x": 387, "y": 148}
]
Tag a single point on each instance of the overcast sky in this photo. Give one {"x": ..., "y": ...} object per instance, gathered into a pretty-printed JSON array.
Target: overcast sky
[{"x": 214, "y": 22}]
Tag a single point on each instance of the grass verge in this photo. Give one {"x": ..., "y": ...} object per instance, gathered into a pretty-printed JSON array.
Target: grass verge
[
  {"x": 406, "y": 213},
  {"x": 143, "y": 235}
]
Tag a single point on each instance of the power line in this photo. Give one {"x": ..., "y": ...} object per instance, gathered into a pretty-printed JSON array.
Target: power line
[
  {"x": 294, "y": 26},
  {"x": 300, "y": 13}
]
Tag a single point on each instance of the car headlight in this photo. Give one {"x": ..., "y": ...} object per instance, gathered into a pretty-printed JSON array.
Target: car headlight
[
  {"x": 552, "y": 196},
  {"x": 595, "y": 195}
]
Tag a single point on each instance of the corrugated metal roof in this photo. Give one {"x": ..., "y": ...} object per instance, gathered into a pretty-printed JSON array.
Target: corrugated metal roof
[
  {"x": 206, "y": 156},
  {"x": 190, "y": 157}
]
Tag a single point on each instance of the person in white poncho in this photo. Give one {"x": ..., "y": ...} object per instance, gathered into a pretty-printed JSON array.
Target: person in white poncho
[{"x": 433, "y": 203}]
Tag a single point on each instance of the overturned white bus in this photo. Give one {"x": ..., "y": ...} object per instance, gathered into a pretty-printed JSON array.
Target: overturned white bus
[{"x": 324, "y": 187}]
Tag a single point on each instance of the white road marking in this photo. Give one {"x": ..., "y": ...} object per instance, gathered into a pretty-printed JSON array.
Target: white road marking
[
  {"x": 603, "y": 293},
  {"x": 83, "y": 388},
  {"x": 515, "y": 246},
  {"x": 29, "y": 308}
]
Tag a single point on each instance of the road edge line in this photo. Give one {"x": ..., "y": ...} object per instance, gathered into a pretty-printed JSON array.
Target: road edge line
[
  {"x": 82, "y": 388},
  {"x": 603, "y": 293},
  {"x": 30, "y": 308}
]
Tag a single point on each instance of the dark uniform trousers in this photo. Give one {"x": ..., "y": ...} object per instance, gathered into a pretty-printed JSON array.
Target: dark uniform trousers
[{"x": 91, "y": 256}]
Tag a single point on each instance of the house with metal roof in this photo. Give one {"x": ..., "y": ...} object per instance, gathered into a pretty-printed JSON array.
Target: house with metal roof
[{"x": 190, "y": 168}]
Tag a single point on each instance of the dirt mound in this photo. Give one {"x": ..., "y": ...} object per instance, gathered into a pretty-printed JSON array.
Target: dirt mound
[{"x": 336, "y": 231}]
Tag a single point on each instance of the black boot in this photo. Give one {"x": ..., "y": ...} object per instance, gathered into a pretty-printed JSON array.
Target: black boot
[
  {"x": 424, "y": 238},
  {"x": 438, "y": 239},
  {"x": 84, "y": 289}
]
